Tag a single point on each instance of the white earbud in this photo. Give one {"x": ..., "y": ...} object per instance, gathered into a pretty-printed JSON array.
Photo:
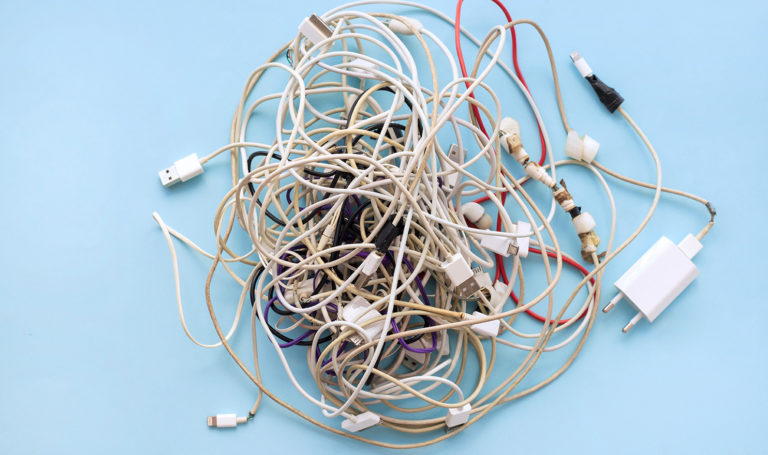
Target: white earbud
[
  {"x": 509, "y": 130},
  {"x": 582, "y": 148},
  {"x": 475, "y": 213},
  {"x": 507, "y": 127}
]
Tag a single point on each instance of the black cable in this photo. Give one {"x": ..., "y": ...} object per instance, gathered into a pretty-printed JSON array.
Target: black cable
[
  {"x": 377, "y": 127},
  {"x": 339, "y": 234},
  {"x": 386, "y": 89},
  {"x": 272, "y": 329},
  {"x": 258, "y": 201}
]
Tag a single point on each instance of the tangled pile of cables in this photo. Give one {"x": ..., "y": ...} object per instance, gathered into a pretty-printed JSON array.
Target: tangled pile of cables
[{"x": 370, "y": 208}]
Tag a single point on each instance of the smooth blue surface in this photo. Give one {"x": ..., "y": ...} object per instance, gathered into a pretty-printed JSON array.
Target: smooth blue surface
[{"x": 96, "y": 98}]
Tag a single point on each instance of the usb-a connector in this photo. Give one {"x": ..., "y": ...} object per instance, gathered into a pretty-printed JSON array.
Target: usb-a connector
[
  {"x": 460, "y": 275},
  {"x": 315, "y": 29},
  {"x": 181, "y": 170}
]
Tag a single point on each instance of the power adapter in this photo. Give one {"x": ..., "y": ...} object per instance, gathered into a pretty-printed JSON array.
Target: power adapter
[{"x": 657, "y": 278}]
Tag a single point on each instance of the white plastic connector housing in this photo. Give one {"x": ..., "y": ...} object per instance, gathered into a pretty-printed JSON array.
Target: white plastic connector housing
[
  {"x": 362, "y": 67},
  {"x": 499, "y": 296},
  {"x": 400, "y": 25},
  {"x": 327, "y": 235},
  {"x": 368, "y": 268},
  {"x": 361, "y": 422},
  {"x": 304, "y": 290},
  {"x": 488, "y": 329},
  {"x": 314, "y": 29},
  {"x": 413, "y": 360},
  {"x": 498, "y": 245},
  {"x": 581, "y": 64},
  {"x": 476, "y": 215},
  {"x": 458, "y": 416},
  {"x": 460, "y": 275},
  {"x": 181, "y": 171},
  {"x": 657, "y": 278},
  {"x": 523, "y": 243},
  {"x": 505, "y": 245},
  {"x": 444, "y": 344},
  {"x": 449, "y": 180},
  {"x": 582, "y": 148},
  {"x": 482, "y": 278},
  {"x": 225, "y": 420},
  {"x": 359, "y": 310}
]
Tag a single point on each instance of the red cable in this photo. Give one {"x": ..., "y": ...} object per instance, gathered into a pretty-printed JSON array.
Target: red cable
[
  {"x": 476, "y": 111},
  {"x": 568, "y": 261},
  {"x": 500, "y": 270},
  {"x": 460, "y": 55}
]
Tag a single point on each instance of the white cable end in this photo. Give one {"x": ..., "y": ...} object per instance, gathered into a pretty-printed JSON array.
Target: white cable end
[
  {"x": 690, "y": 246},
  {"x": 314, "y": 29},
  {"x": 458, "y": 416},
  {"x": 401, "y": 25},
  {"x": 368, "y": 268},
  {"x": 460, "y": 275},
  {"x": 536, "y": 172},
  {"x": 181, "y": 170},
  {"x": 450, "y": 179},
  {"x": 225, "y": 420},
  {"x": 499, "y": 296},
  {"x": 362, "y": 68},
  {"x": 523, "y": 243},
  {"x": 488, "y": 329},
  {"x": 482, "y": 278},
  {"x": 358, "y": 311},
  {"x": 503, "y": 246},
  {"x": 414, "y": 360},
  {"x": 509, "y": 125},
  {"x": 581, "y": 64},
  {"x": 361, "y": 422},
  {"x": 297, "y": 293}
]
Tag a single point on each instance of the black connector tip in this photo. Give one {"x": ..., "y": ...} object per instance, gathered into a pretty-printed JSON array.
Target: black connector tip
[
  {"x": 574, "y": 212},
  {"x": 607, "y": 95},
  {"x": 387, "y": 235}
]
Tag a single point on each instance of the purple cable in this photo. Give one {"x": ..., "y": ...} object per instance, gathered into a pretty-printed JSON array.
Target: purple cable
[
  {"x": 395, "y": 328},
  {"x": 292, "y": 342},
  {"x": 424, "y": 296}
]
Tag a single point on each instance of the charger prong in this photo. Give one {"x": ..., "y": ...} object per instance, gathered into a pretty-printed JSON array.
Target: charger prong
[
  {"x": 613, "y": 302},
  {"x": 632, "y": 322}
]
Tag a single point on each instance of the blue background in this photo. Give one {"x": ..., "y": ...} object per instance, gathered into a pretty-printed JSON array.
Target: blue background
[{"x": 96, "y": 98}]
